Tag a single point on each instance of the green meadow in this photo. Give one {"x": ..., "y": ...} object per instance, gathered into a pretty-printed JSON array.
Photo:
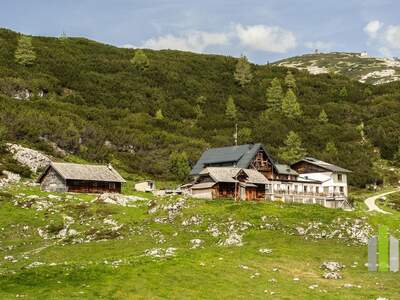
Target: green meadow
[{"x": 147, "y": 251}]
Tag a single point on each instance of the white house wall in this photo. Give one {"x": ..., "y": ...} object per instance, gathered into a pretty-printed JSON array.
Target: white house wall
[{"x": 330, "y": 181}]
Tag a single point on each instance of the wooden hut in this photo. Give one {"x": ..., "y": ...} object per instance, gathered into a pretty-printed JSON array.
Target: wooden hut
[
  {"x": 79, "y": 178},
  {"x": 228, "y": 182}
]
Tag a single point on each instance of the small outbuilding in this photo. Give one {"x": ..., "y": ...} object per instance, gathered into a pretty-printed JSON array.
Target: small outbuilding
[
  {"x": 145, "y": 186},
  {"x": 80, "y": 178}
]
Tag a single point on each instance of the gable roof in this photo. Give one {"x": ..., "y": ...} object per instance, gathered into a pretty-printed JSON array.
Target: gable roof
[
  {"x": 255, "y": 177},
  {"x": 221, "y": 174},
  {"x": 238, "y": 156},
  {"x": 323, "y": 165},
  {"x": 70, "y": 171},
  {"x": 228, "y": 174},
  {"x": 285, "y": 170}
]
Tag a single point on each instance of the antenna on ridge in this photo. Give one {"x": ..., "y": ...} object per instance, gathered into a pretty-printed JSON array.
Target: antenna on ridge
[{"x": 236, "y": 134}]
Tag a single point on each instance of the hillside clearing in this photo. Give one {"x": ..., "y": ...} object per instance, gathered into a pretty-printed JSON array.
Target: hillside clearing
[{"x": 69, "y": 246}]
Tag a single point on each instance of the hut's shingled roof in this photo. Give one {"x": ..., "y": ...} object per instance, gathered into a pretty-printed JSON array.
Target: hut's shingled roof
[
  {"x": 70, "y": 171},
  {"x": 324, "y": 165}
]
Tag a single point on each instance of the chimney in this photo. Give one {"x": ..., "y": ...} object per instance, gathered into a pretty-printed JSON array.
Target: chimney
[{"x": 110, "y": 167}]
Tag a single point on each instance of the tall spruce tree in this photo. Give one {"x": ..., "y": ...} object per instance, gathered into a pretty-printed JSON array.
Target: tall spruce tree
[
  {"x": 290, "y": 105},
  {"x": 231, "y": 111},
  {"x": 323, "y": 117},
  {"x": 25, "y": 54},
  {"x": 159, "y": 115},
  {"x": 140, "y": 60},
  {"x": 179, "y": 165},
  {"x": 243, "y": 73},
  {"x": 331, "y": 153},
  {"x": 244, "y": 135},
  {"x": 397, "y": 155},
  {"x": 290, "y": 81},
  {"x": 198, "y": 112},
  {"x": 293, "y": 150},
  {"x": 275, "y": 96},
  {"x": 343, "y": 93}
]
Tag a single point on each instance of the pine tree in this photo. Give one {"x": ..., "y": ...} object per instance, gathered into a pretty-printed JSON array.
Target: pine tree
[
  {"x": 293, "y": 150},
  {"x": 140, "y": 60},
  {"x": 243, "y": 73},
  {"x": 179, "y": 165},
  {"x": 25, "y": 54},
  {"x": 198, "y": 112},
  {"x": 360, "y": 129},
  {"x": 231, "y": 111},
  {"x": 343, "y": 92},
  {"x": 290, "y": 105},
  {"x": 159, "y": 115},
  {"x": 3, "y": 132},
  {"x": 275, "y": 96},
  {"x": 290, "y": 81},
  {"x": 323, "y": 117},
  {"x": 244, "y": 135},
  {"x": 331, "y": 153},
  {"x": 397, "y": 155}
]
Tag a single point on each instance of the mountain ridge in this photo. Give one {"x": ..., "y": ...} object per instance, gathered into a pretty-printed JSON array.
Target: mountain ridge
[{"x": 358, "y": 66}]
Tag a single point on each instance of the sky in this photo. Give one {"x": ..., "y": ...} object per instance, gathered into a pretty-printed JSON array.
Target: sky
[{"x": 263, "y": 30}]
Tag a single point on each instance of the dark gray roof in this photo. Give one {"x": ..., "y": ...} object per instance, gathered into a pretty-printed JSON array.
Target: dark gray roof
[
  {"x": 324, "y": 165},
  {"x": 239, "y": 156},
  {"x": 286, "y": 170}
]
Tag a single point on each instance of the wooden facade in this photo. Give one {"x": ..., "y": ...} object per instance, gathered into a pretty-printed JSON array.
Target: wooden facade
[
  {"x": 238, "y": 191},
  {"x": 304, "y": 167},
  {"x": 240, "y": 188},
  {"x": 96, "y": 187},
  {"x": 262, "y": 164}
]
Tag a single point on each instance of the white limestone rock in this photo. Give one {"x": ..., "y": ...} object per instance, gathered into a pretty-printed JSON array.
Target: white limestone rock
[{"x": 33, "y": 159}]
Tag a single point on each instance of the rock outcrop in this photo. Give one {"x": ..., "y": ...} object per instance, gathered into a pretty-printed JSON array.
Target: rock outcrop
[{"x": 33, "y": 159}]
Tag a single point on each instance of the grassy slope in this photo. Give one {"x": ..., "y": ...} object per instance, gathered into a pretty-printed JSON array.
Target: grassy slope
[
  {"x": 213, "y": 272},
  {"x": 348, "y": 64}
]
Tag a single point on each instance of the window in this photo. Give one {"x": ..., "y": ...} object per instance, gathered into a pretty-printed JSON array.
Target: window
[
  {"x": 340, "y": 177},
  {"x": 305, "y": 189},
  {"x": 317, "y": 189},
  {"x": 341, "y": 189},
  {"x": 111, "y": 185}
]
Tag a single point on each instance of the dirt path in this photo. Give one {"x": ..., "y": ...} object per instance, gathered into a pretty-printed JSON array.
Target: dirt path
[{"x": 370, "y": 202}]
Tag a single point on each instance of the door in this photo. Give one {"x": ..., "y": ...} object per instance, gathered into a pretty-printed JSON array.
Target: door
[{"x": 242, "y": 193}]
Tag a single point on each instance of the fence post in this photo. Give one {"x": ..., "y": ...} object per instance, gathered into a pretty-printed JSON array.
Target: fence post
[
  {"x": 394, "y": 254},
  {"x": 383, "y": 249},
  {"x": 372, "y": 245}
]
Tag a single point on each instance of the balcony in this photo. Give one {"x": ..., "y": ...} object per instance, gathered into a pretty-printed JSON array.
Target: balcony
[{"x": 307, "y": 194}]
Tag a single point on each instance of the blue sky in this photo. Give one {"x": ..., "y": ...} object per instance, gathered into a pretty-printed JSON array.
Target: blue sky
[{"x": 264, "y": 30}]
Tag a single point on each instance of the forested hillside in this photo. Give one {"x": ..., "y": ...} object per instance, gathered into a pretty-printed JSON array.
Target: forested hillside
[{"x": 151, "y": 111}]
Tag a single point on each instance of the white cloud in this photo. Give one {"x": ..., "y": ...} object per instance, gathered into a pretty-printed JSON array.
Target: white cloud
[
  {"x": 196, "y": 41},
  {"x": 392, "y": 37},
  {"x": 372, "y": 28},
  {"x": 385, "y": 38},
  {"x": 386, "y": 52},
  {"x": 266, "y": 38},
  {"x": 129, "y": 46},
  {"x": 319, "y": 45}
]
